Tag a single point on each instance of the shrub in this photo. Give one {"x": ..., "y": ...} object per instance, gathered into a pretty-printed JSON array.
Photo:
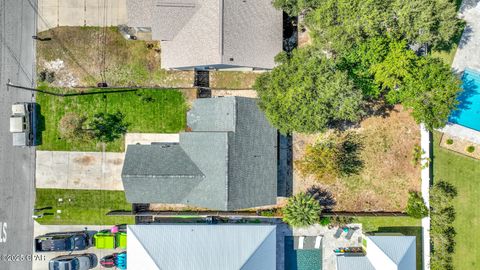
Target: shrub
[
  {"x": 108, "y": 127},
  {"x": 340, "y": 221},
  {"x": 333, "y": 156},
  {"x": 42, "y": 76},
  {"x": 417, "y": 155},
  {"x": 470, "y": 149},
  {"x": 50, "y": 77},
  {"x": 302, "y": 210},
  {"x": 449, "y": 141},
  {"x": 416, "y": 206},
  {"x": 71, "y": 127},
  {"x": 324, "y": 221},
  {"x": 442, "y": 233}
]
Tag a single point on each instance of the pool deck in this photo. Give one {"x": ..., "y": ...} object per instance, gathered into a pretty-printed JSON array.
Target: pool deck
[
  {"x": 462, "y": 132},
  {"x": 468, "y": 52},
  {"x": 329, "y": 242}
]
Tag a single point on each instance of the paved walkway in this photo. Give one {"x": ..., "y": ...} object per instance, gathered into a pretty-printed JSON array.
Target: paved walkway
[
  {"x": 79, "y": 170},
  {"x": 425, "y": 144},
  {"x": 54, "y": 13},
  {"x": 47, "y": 256},
  {"x": 148, "y": 138},
  {"x": 468, "y": 52}
]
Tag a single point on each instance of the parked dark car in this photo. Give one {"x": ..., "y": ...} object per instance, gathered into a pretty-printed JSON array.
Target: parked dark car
[
  {"x": 64, "y": 241},
  {"x": 73, "y": 262}
]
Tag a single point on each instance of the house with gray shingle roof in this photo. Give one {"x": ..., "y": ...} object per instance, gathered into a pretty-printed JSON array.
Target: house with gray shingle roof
[
  {"x": 383, "y": 253},
  {"x": 211, "y": 34},
  {"x": 228, "y": 160}
]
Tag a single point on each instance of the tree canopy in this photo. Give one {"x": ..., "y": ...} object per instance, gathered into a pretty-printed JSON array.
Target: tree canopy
[
  {"x": 431, "y": 92},
  {"x": 302, "y": 210},
  {"x": 307, "y": 93},
  {"x": 108, "y": 127}
]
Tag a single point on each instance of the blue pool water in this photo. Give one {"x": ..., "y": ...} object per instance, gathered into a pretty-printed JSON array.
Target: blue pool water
[
  {"x": 301, "y": 259},
  {"x": 468, "y": 113}
]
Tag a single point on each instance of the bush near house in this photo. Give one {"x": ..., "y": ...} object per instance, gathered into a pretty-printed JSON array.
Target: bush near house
[
  {"x": 301, "y": 210},
  {"x": 416, "y": 206}
]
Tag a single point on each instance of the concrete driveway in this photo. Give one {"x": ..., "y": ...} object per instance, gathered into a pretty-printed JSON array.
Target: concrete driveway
[
  {"x": 40, "y": 261},
  {"x": 54, "y": 13},
  {"x": 79, "y": 170},
  {"x": 468, "y": 52}
]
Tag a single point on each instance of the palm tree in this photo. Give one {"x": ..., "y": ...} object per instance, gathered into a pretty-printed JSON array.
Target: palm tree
[{"x": 302, "y": 210}]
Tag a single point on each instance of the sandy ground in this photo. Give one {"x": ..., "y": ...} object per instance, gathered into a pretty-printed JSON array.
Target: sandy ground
[{"x": 388, "y": 172}]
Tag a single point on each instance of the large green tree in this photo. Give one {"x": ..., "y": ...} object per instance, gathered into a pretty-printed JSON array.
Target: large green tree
[
  {"x": 337, "y": 25},
  {"x": 432, "y": 22},
  {"x": 431, "y": 92},
  {"x": 307, "y": 93},
  {"x": 302, "y": 210},
  {"x": 295, "y": 7}
]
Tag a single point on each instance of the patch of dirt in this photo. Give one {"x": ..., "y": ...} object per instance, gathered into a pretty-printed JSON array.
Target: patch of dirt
[
  {"x": 117, "y": 161},
  {"x": 84, "y": 160},
  {"x": 238, "y": 93},
  {"x": 388, "y": 174}
]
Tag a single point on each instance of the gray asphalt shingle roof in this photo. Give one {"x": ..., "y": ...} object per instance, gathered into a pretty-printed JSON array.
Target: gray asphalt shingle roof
[
  {"x": 231, "y": 144},
  {"x": 225, "y": 33}
]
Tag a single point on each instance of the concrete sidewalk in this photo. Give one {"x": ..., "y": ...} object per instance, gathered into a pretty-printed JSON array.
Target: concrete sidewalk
[
  {"x": 79, "y": 170},
  {"x": 54, "y": 13},
  {"x": 468, "y": 52}
]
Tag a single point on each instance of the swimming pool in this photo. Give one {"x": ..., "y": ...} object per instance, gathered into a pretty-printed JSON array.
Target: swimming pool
[
  {"x": 468, "y": 112},
  {"x": 298, "y": 259}
]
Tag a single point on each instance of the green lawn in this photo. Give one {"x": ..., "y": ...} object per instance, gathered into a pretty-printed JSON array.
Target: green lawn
[
  {"x": 464, "y": 174},
  {"x": 82, "y": 207},
  {"x": 154, "y": 111},
  {"x": 404, "y": 225}
]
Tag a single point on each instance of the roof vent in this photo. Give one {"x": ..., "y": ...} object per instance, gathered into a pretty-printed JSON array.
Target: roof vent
[{"x": 231, "y": 59}]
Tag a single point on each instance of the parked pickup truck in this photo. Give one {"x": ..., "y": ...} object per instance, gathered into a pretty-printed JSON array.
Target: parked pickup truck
[
  {"x": 22, "y": 123},
  {"x": 64, "y": 241}
]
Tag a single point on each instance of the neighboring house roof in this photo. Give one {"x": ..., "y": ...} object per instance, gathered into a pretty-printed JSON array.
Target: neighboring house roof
[
  {"x": 229, "y": 33},
  {"x": 354, "y": 263},
  {"x": 383, "y": 253},
  {"x": 214, "y": 247},
  {"x": 227, "y": 162}
]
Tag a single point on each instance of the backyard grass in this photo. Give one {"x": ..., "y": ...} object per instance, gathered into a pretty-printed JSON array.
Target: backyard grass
[
  {"x": 392, "y": 225},
  {"x": 76, "y": 56},
  {"x": 464, "y": 173},
  {"x": 82, "y": 207},
  {"x": 388, "y": 173},
  {"x": 147, "y": 111},
  {"x": 232, "y": 79}
]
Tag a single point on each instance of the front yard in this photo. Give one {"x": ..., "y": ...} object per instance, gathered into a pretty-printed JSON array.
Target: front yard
[
  {"x": 464, "y": 173},
  {"x": 82, "y": 207},
  {"x": 388, "y": 173},
  {"x": 148, "y": 111}
]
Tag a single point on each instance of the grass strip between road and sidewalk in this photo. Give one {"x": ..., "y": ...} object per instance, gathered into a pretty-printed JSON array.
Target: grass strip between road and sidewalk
[{"x": 81, "y": 207}]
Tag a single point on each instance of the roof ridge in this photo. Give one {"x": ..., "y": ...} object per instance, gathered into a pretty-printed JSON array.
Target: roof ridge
[
  {"x": 141, "y": 243},
  {"x": 388, "y": 256}
]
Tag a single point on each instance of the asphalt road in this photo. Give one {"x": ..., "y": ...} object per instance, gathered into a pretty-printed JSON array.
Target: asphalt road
[{"x": 17, "y": 165}]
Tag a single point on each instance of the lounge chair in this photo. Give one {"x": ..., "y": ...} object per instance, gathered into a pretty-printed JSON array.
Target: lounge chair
[
  {"x": 338, "y": 233},
  {"x": 350, "y": 233}
]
